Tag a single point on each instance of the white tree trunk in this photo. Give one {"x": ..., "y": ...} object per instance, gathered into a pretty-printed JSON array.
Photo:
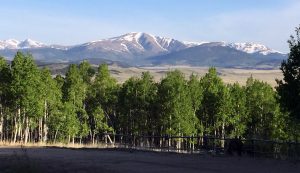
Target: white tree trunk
[
  {"x": 45, "y": 123},
  {"x": 26, "y": 133},
  {"x": 17, "y": 125},
  {"x": 223, "y": 135},
  {"x": 55, "y": 136},
  {"x": 93, "y": 138},
  {"x": 40, "y": 129},
  {"x": 69, "y": 138},
  {"x": 15, "y": 130},
  {"x": 1, "y": 123}
]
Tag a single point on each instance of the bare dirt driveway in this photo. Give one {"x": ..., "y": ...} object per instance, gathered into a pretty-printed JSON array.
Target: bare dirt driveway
[{"x": 56, "y": 160}]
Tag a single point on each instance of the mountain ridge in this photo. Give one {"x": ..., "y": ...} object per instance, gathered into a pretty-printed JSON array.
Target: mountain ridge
[
  {"x": 138, "y": 49},
  {"x": 164, "y": 42}
]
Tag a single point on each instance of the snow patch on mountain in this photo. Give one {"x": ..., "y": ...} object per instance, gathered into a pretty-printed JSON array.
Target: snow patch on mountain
[
  {"x": 192, "y": 44},
  {"x": 15, "y": 44},
  {"x": 252, "y": 48},
  {"x": 139, "y": 42},
  {"x": 28, "y": 43},
  {"x": 9, "y": 44}
]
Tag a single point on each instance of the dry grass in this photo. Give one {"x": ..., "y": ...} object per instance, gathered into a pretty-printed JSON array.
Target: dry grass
[
  {"x": 229, "y": 75},
  {"x": 58, "y": 145}
]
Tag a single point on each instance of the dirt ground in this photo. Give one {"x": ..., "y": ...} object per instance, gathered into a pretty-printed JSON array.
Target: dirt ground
[{"x": 62, "y": 160}]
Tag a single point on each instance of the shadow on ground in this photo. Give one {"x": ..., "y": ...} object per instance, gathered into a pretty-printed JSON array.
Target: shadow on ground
[{"x": 65, "y": 160}]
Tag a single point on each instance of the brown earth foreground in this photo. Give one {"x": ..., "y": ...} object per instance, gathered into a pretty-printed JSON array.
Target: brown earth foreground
[{"x": 63, "y": 160}]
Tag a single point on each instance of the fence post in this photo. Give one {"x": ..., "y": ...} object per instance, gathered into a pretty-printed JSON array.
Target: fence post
[
  {"x": 168, "y": 138},
  {"x": 114, "y": 139},
  {"x": 193, "y": 144},
  {"x": 289, "y": 150},
  {"x": 105, "y": 139},
  {"x": 297, "y": 150},
  {"x": 161, "y": 142},
  {"x": 252, "y": 147}
]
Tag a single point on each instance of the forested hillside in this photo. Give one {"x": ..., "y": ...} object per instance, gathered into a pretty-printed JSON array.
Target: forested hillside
[{"x": 35, "y": 107}]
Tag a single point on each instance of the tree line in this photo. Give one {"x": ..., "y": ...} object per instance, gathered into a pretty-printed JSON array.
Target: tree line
[{"x": 85, "y": 103}]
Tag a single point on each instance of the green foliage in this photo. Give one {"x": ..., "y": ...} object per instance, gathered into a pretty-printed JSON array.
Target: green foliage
[
  {"x": 195, "y": 90},
  {"x": 104, "y": 88},
  {"x": 100, "y": 122},
  {"x": 86, "y": 71},
  {"x": 177, "y": 114},
  {"x": 213, "y": 111},
  {"x": 57, "y": 122},
  {"x": 128, "y": 106},
  {"x": 84, "y": 105},
  {"x": 25, "y": 86},
  {"x": 59, "y": 81},
  {"x": 74, "y": 87},
  {"x": 263, "y": 109},
  {"x": 24, "y": 74},
  {"x": 238, "y": 114},
  {"x": 5, "y": 77},
  {"x": 102, "y": 95},
  {"x": 71, "y": 125},
  {"x": 137, "y": 105},
  {"x": 289, "y": 88},
  {"x": 50, "y": 91}
]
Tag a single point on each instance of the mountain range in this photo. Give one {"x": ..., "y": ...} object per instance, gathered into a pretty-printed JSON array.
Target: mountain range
[{"x": 142, "y": 49}]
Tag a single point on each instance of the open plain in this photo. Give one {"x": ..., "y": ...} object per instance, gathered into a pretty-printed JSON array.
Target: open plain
[{"x": 229, "y": 75}]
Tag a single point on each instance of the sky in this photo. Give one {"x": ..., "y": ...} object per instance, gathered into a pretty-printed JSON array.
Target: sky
[{"x": 70, "y": 22}]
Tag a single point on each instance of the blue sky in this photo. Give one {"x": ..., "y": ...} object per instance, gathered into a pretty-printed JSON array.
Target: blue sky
[{"x": 68, "y": 22}]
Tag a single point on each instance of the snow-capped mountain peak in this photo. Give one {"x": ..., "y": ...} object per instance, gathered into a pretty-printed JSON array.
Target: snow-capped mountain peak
[
  {"x": 139, "y": 42},
  {"x": 247, "y": 47},
  {"x": 9, "y": 44},
  {"x": 28, "y": 43},
  {"x": 15, "y": 44},
  {"x": 252, "y": 48},
  {"x": 132, "y": 36},
  {"x": 138, "y": 48}
]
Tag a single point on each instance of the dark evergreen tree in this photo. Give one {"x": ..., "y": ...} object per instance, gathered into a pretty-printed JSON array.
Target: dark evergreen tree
[
  {"x": 5, "y": 79},
  {"x": 289, "y": 88}
]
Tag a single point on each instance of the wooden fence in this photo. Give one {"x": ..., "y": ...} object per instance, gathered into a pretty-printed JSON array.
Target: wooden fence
[{"x": 285, "y": 150}]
